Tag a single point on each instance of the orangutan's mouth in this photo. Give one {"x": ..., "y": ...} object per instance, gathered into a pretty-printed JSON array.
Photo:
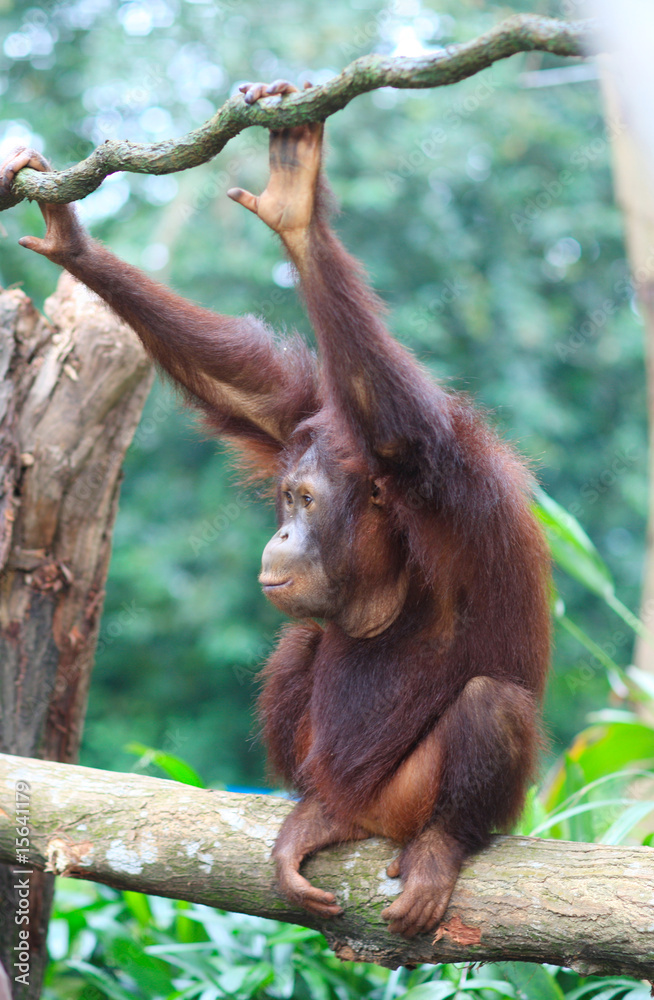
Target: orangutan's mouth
[{"x": 274, "y": 584}]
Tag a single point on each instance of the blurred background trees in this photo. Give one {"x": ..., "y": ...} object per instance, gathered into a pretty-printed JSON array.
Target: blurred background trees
[{"x": 484, "y": 213}]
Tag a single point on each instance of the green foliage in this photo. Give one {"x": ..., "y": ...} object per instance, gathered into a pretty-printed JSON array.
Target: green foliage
[
  {"x": 589, "y": 793},
  {"x": 121, "y": 945},
  {"x": 593, "y": 792}
]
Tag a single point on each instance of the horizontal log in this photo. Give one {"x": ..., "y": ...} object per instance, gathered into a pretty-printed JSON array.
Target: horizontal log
[{"x": 585, "y": 906}]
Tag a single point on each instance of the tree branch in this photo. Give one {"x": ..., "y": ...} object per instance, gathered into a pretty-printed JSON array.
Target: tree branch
[
  {"x": 521, "y": 33},
  {"x": 583, "y": 906}
]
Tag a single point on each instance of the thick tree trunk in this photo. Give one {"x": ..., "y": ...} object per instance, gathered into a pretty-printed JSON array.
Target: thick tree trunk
[
  {"x": 584, "y": 906},
  {"x": 71, "y": 394}
]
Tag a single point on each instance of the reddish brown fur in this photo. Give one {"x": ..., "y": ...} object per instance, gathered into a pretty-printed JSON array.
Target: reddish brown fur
[
  {"x": 428, "y": 731},
  {"x": 458, "y": 511}
]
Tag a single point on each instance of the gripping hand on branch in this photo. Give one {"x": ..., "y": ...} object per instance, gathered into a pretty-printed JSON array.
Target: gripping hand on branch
[
  {"x": 287, "y": 204},
  {"x": 64, "y": 237}
]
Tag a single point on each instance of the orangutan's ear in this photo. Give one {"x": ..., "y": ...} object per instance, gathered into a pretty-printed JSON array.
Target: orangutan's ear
[{"x": 378, "y": 492}]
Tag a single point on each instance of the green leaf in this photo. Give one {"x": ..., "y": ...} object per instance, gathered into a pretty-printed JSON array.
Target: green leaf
[
  {"x": 602, "y": 750},
  {"x": 138, "y": 905},
  {"x": 578, "y": 810},
  {"x": 565, "y": 789},
  {"x": 610, "y": 986},
  {"x": 497, "y": 985},
  {"x": 316, "y": 985},
  {"x": 105, "y": 982},
  {"x": 174, "y": 767},
  {"x": 256, "y": 978},
  {"x": 130, "y": 955},
  {"x": 432, "y": 991},
  {"x": 533, "y": 813},
  {"x": 571, "y": 547},
  {"x": 585, "y": 640},
  {"x": 531, "y": 981},
  {"x": 629, "y": 618},
  {"x": 626, "y": 822},
  {"x": 293, "y": 935},
  {"x": 574, "y": 552}
]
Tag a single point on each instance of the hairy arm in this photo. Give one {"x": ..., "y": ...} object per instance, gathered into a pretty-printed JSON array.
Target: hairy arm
[
  {"x": 248, "y": 386},
  {"x": 372, "y": 381}
]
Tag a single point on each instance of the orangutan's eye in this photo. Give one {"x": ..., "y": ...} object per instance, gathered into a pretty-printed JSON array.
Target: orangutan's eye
[
  {"x": 307, "y": 500},
  {"x": 288, "y": 497}
]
